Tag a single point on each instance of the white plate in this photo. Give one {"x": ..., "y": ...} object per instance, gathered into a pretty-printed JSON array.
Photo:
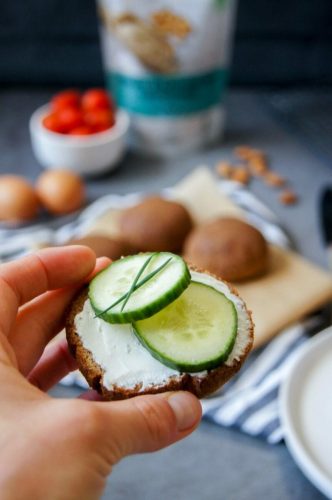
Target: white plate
[{"x": 306, "y": 410}]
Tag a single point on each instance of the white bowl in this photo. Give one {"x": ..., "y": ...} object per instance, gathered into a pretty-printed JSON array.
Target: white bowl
[{"x": 90, "y": 154}]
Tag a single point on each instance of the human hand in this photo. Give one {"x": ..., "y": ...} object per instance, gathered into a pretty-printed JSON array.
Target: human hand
[{"x": 61, "y": 448}]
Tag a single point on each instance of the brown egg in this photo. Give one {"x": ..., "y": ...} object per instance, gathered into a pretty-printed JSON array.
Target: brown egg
[
  {"x": 18, "y": 199},
  {"x": 60, "y": 191}
]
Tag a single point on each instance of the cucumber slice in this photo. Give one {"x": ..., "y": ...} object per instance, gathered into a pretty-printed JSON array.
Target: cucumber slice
[
  {"x": 116, "y": 280},
  {"x": 196, "y": 332}
]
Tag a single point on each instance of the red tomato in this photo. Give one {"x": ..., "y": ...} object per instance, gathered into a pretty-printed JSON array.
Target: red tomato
[
  {"x": 51, "y": 122},
  {"x": 70, "y": 118},
  {"x": 99, "y": 119},
  {"x": 82, "y": 130},
  {"x": 65, "y": 99},
  {"x": 96, "y": 99}
]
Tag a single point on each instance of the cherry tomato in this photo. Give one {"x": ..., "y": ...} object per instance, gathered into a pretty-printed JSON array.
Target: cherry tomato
[
  {"x": 99, "y": 119},
  {"x": 66, "y": 99},
  {"x": 96, "y": 99},
  {"x": 52, "y": 122},
  {"x": 82, "y": 130},
  {"x": 70, "y": 118}
]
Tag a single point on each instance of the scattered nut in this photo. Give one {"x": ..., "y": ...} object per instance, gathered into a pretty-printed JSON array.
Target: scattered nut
[
  {"x": 273, "y": 179},
  {"x": 257, "y": 153},
  {"x": 247, "y": 153},
  {"x": 258, "y": 165},
  {"x": 255, "y": 163},
  {"x": 240, "y": 174},
  {"x": 243, "y": 152},
  {"x": 288, "y": 197},
  {"x": 224, "y": 169}
]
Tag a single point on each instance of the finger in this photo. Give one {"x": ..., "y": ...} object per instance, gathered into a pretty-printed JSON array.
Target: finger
[
  {"x": 40, "y": 320},
  {"x": 149, "y": 423},
  {"x": 55, "y": 363},
  {"x": 48, "y": 269},
  {"x": 91, "y": 395}
]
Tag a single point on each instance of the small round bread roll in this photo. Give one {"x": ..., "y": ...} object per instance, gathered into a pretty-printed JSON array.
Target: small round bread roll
[
  {"x": 229, "y": 248},
  {"x": 103, "y": 246},
  {"x": 156, "y": 224}
]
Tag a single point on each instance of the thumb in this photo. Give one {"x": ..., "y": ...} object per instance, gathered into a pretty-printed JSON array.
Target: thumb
[{"x": 149, "y": 423}]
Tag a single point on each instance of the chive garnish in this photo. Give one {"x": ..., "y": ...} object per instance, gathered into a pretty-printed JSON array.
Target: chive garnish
[
  {"x": 134, "y": 283},
  {"x": 132, "y": 289},
  {"x": 152, "y": 274}
]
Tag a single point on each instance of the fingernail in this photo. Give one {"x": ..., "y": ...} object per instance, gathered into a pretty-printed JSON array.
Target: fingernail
[{"x": 186, "y": 409}]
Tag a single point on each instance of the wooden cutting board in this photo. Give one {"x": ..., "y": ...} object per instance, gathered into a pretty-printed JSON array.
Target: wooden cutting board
[{"x": 292, "y": 288}]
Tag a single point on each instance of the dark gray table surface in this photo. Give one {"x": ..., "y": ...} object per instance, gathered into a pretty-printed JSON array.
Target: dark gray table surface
[{"x": 213, "y": 463}]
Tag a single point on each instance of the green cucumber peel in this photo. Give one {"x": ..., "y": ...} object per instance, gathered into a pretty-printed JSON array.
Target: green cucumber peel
[
  {"x": 129, "y": 270},
  {"x": 158, "y": 350},
  {"x": 139, "y": 274},
  {"x": 135, "y": 286}
]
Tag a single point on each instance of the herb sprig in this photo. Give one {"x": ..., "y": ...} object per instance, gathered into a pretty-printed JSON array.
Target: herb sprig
[{"x": 136, "y": 285}]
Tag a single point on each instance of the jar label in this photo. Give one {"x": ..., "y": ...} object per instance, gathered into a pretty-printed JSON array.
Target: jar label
[{"x": 156, "y": 95}]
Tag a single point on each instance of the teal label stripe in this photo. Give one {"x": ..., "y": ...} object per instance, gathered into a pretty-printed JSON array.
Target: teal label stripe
[{"x": 157, "y": 95}]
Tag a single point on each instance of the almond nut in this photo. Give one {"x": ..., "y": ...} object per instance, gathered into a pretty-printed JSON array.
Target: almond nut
[
  {"x": 243, "y": 152},
  {"x": 241, "y": 174},
  {"x": 224, "y": 169},
  {"x": 288, "y": 197},
  {"x": 257, "y": 166},
  {"x": 273, "y": 179}
]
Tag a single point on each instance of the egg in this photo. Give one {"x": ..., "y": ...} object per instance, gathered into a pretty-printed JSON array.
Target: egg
[
  {"x": 18, "y": 199},
  {"x": 60, "y": 191}
]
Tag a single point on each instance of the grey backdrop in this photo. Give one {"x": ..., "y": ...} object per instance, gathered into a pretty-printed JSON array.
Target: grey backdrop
[{"x": 56, "y": 41}]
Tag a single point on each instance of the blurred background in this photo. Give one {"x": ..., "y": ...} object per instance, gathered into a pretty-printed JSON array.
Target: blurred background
[
  {"x": 277, "y": 43},
  {"x": 282, "y": 50}
]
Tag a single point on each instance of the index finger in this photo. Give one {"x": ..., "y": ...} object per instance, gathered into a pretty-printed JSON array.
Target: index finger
[{"x": 47, "y": 269}]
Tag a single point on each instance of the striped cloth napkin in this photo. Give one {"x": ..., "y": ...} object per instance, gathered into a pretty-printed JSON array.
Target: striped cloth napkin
[{"x": 250, "y": 401}]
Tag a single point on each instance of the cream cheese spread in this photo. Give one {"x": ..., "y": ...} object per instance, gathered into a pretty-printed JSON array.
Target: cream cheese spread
[{"x": 126, "y": 363}]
